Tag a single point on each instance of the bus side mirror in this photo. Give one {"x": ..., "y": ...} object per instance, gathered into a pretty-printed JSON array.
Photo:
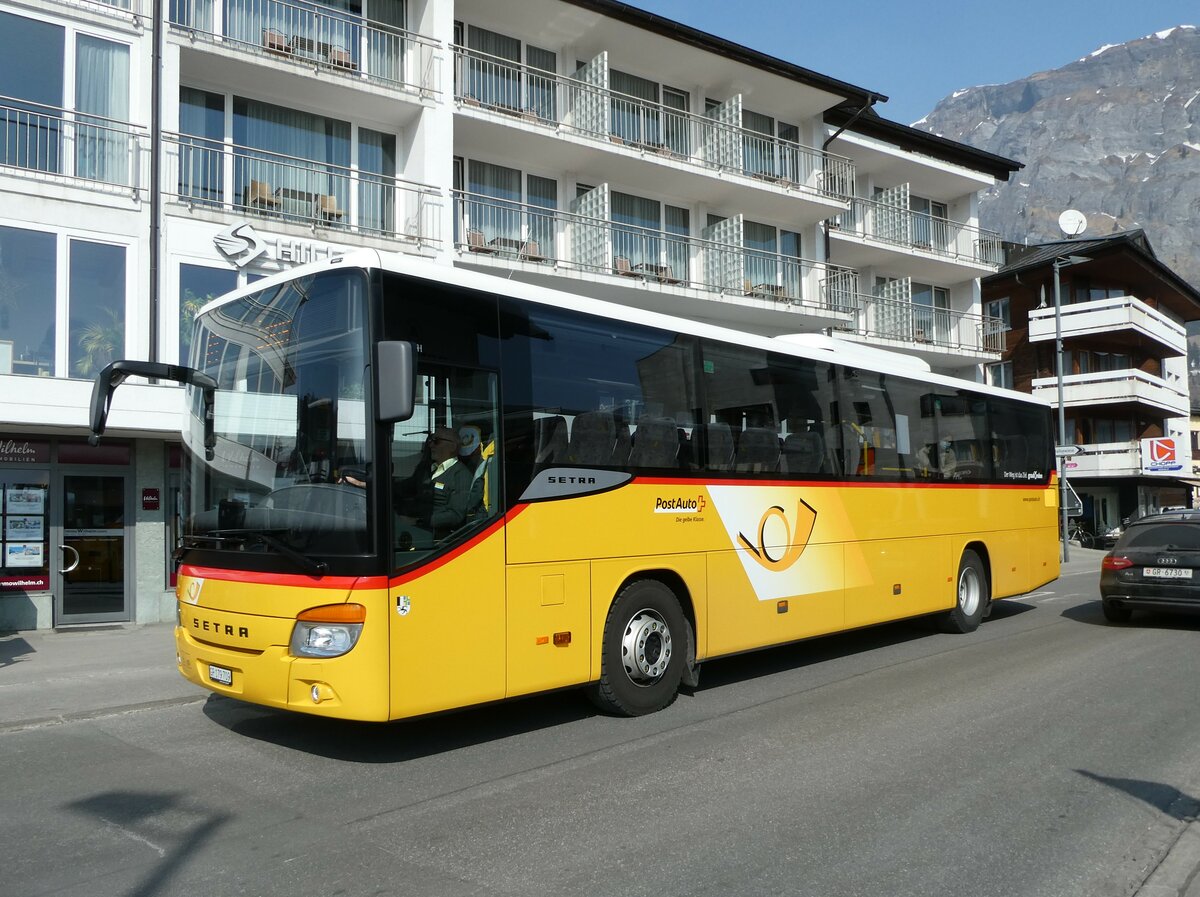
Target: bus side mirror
[
  {"x": 394, "y": 380},
  {"x": 115, "y": 374}
]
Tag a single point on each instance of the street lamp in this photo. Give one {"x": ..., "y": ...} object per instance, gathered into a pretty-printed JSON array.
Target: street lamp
[{"x": 1060, "y": 263}]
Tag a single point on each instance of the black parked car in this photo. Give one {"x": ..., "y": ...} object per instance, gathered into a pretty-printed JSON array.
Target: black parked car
[{"x": 1154, "y": 565}]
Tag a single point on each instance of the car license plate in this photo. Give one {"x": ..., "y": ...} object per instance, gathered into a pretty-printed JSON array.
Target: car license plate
[
  {"x": 220, "y": 675},
  {"x": 1168, "y": 572}
]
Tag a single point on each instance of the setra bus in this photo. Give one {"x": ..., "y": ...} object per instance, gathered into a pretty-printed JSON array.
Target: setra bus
[{"x": 642, "y": 493}]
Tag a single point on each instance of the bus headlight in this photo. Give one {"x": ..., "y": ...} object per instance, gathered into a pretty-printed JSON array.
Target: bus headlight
[{"x": 327, "y": 631}]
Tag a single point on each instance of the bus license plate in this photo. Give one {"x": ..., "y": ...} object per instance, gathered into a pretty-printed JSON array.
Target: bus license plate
[
  {"x": 1169, "y": 572},
  {"x": 220, "y": 675}
]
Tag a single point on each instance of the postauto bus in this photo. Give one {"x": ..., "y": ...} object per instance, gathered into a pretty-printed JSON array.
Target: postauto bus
[{"x": 645, "y": 493}]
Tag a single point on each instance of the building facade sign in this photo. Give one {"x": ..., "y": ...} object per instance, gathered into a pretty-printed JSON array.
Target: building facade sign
[
  {"x": 1161, "y": 455},
  {"x": 16, "y": 450},
  {"x": 241, "y": 245}
]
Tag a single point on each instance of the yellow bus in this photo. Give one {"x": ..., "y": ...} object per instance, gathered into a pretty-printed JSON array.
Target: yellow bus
[{"x": 409, "y": 488}]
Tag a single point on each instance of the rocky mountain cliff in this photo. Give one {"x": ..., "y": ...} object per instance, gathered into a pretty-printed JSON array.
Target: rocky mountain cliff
[{"x": 1115, "y": 135}]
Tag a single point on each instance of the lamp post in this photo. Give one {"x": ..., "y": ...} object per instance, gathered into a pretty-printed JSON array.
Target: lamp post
[{"x": 1060, "y": 263}]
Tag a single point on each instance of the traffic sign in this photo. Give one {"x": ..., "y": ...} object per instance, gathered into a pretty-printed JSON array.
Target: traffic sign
[{"x": 1066, "y": 451}]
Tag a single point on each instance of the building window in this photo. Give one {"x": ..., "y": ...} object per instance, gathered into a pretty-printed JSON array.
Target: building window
[
  {"x": 96, "y": 301},
  {"x": 198, "y": 285},
  {"x": 999, "y": 314},
  {"x": 1000, "y": 374},
  {"x": 28, "y": 264},
  {"x": 31, "y": 82},
  {"x": 202, "y": 130}
]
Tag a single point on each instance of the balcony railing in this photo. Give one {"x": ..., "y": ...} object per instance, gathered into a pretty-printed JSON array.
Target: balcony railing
[
  {"x": 542, "y": 97},
  {"x": 1123, "y": 313},
  {"x": 1115, "y": 387},
  {"x": 243, "y": 179},
  {"x": 69, "y": 144},
  {"x": 487, "y": 227},
  {"x": 917, "y": 230},
  {"x": 875, "y": 317},
  {"x": 319, "y": 35}
]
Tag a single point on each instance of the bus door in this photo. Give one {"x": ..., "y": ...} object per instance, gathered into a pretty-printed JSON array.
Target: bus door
[{"x": 447, "y": 593}]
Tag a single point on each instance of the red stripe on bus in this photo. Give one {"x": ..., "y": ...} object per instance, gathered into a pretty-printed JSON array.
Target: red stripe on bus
[
  {"x": 461, "y": 549},
  {"x": 830, "y": 484},
  {"x": 292, "y": 580}
]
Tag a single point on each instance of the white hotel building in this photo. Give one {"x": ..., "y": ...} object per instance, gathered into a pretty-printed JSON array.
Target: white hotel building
[{"x": 582, "y": 144}]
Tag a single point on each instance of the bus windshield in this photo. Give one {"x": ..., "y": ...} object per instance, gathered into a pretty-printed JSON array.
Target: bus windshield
[{"x": 292, "y": 445}]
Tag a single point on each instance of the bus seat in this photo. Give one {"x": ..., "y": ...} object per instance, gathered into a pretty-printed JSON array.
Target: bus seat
[
  {"x": 803, "y": 453},
  {"x": 656, "y": 443},
  {"x": 593, "y": 438},
  {"x": 550, "y": 437},
  {"x": 757, "y": 450},
  {"x": 718, "y": 440}
]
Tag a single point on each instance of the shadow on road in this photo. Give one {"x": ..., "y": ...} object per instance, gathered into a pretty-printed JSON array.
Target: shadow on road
[
  {"x": 13, "y": 648},
  {"x": 154, "y": 820},
  {"x": 1091, "y": 612},
  {"x": 416, "y": 738},
  {"x": 1164, "y": 798}
]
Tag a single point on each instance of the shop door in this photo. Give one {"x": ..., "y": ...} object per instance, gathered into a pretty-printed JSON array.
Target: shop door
[{"x": 91, "y": 561}]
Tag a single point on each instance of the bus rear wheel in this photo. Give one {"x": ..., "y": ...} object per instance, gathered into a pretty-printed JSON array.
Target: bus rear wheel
[
  {"x": 644, "y": 651},
  {"x": 971, "y": 599}
]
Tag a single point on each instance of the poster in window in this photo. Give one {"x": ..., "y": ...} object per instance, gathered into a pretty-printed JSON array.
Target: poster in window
[
  {"x": 23, "y": 554},
  {"x": 25, "y": 499},
  {"x": 23, "y": 529}
]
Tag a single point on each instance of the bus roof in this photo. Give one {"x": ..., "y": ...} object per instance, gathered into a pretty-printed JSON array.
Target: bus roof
[{"x": 815, "y": 346}]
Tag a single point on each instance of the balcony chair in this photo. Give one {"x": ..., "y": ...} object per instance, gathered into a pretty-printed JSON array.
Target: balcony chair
[
  {"x": 339, "y": 57},
  {"x": 621, "y": 266},
  {"x": 476, "y": 243},
  {"x": 259, "y": 195},
  {"x": 327, "y": 208},
  {"x": 274, "y": 42},
  {"x": 531, "y": 252}
]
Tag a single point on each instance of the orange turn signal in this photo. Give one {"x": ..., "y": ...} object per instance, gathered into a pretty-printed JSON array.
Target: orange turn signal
[{"x": 334, "y": 613}]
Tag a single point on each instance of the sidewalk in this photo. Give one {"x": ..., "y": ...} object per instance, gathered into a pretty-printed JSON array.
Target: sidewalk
[{"x": 48, "y": 676}]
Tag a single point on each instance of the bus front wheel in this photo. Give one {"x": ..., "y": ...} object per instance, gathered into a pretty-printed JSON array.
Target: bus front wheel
[
  {"x": 644, "y": 651},
  {"x": 971, "y": 598}
]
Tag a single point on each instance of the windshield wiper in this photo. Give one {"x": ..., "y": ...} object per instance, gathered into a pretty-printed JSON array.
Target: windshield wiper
[{"x": 257, "y": 537}]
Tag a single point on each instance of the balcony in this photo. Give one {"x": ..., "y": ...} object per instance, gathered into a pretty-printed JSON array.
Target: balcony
[
  {"x": 1122, "y": 316},
  {"x": 1109, "y": 459},
  {"x": 673, "y": 139},
  {"x": 941, "y": 336},
  {"x": 126, "y": 9},
  {"x": 71, "y": 147},
  {"x": 1123, "y": 387},
  {"x": 209, "y": 174},
  {"x": 315, "y": 35},
  {"x": 913, "y": 243},
  {"x": 548, "y": 245}
]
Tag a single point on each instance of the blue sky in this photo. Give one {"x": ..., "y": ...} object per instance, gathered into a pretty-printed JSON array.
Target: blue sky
[{"x": 917, "y": 51}]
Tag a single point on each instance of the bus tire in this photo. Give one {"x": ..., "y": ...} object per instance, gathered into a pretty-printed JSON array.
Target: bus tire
[
  {"x": 644, "y": 651},
  {"x": 971, "y": 596}
]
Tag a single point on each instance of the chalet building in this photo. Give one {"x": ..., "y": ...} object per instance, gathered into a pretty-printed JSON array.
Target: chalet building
[
  {"x": 148, "y": 165},
  {"x": 1125, "y": 389}
]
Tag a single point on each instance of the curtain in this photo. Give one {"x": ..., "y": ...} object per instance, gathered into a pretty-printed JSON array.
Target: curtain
[
  {"x": 639, "y": 242},
  {"x": 758, "y": 152},
  {"x": 500, "y": 220},
  {"x": 759, "y": 241},
  {"x": 385, "y": 45},
  {"x": 202, "y": 129},
  {"x": 377, "y": 184},
  {"x": 103, "y": 149},
  {"x": 633, "y": 121},
  {"x": 319, "y": 151},
  {"x": 543, "y": 194},
  {"x": 489, "y": 80},
  {"x": 540, "y": 89},
  {"x": 678, "y": 222}
]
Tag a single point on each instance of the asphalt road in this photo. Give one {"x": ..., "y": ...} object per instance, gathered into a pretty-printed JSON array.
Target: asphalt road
[{"x": 1046, "y": 754}]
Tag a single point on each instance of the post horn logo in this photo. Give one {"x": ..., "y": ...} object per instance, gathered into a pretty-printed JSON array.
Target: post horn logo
[{"x": 785, "y": 553}]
